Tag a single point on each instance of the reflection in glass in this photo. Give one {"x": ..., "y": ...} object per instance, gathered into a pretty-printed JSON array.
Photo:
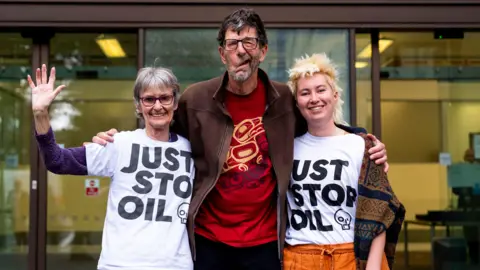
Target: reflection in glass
[
  {"x": 98, "y": 96},
  {"x": 430, "y": 103},
  {"x": 193, "y": 53},
  {"x": 15, "y": 117}
]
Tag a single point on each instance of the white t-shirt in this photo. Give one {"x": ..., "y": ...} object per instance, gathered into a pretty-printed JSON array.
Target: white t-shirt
[
  {"x": 145, "y": 225},
  {"x": 323, "y": 188}
]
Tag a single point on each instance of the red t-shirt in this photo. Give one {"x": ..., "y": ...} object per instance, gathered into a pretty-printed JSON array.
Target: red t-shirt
[{"x": 241, "y": 210}]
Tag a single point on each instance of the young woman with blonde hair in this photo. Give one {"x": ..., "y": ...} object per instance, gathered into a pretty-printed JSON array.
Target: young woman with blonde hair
[{"x": 342, "y": 212}]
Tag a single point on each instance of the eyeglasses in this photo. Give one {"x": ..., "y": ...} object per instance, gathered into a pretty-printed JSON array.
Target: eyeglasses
[
  {"x": 249, "y": 43},
  {"x": 150, "y": 101}
]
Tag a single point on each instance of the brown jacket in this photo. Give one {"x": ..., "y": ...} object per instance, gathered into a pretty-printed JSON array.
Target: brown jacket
[{"x": 202, "y": 118}]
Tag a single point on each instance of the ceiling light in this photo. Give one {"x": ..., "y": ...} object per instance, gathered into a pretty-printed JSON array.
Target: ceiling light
[
  {"x": 383, "y": 44},
  {"x": 361, "y": 64},
  {"x": 110, "y": 47}
]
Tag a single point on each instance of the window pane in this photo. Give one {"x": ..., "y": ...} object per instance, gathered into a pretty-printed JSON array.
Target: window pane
[
  {"x": 408, "y": 98},
  {"x": 193, "y": 56},
  {"x": 430, "y": 104},
  {"x": 363, "y": 69},
  {"x": 15, "y": 130}
]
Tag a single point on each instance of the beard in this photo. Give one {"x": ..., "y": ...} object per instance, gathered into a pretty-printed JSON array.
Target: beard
[{"x": 243, "y": 76}]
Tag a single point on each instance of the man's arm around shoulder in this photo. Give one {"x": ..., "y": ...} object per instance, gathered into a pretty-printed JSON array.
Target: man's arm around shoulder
[
  {"x": 355, "y": 130},
  {"x": 180, "y": 117}
]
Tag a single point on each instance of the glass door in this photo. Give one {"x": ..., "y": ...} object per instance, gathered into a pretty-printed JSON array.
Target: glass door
[{"x": 15, "y": 151}]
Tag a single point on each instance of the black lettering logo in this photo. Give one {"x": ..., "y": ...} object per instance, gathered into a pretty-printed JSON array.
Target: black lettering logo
[
  {"x": 308, "y": 218},
  {"x": 332, "y": 194},
  {"x": 153, "y": 209}
]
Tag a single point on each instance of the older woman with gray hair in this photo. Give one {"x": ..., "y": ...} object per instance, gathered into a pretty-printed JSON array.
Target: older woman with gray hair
[{"x": 151, "y": 171}]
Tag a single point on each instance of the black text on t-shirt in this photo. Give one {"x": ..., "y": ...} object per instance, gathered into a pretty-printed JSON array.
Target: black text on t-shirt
[
  {"x": 182, "y": 186},
  {"x": 307, "y": 217}
]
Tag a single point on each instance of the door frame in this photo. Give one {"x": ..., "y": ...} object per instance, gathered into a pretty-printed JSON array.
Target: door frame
[{"x": 38, "y": 172}]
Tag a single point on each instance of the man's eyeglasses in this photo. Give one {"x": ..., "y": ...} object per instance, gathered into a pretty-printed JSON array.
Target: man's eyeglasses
[
  {"x": 249, "y": 43},
  {"x": 150, "y": 101}
]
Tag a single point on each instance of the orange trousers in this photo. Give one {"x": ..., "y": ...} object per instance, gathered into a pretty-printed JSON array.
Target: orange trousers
[{"x": 322, "y": 257}]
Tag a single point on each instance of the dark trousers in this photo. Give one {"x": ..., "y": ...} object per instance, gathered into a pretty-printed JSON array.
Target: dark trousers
[{"x": 218, "y": 256}]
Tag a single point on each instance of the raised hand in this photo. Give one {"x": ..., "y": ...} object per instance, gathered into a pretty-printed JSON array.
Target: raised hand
[{"x": 43, "y": 93}]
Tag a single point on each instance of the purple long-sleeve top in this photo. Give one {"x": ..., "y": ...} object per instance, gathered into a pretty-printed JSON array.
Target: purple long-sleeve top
[
  {"x": 62, "y": 160},
  {"x": 71, "y": 161}
]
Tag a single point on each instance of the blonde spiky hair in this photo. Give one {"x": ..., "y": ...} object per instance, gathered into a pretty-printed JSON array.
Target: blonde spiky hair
[{"x": 311, "y": 65}]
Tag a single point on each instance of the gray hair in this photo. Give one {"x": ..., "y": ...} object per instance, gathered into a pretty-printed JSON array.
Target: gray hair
[
  {"x": 155, "y": 77},
  {"x": 239, "y": 19}
]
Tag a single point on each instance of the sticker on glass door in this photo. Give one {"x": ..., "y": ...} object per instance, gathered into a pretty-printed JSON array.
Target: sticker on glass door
[{"x": 91, "y": 187}]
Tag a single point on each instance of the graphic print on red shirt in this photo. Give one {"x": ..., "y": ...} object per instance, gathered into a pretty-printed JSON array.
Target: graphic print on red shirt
[
  {"x": 245, "y": 156},
  {"x": 241, "y": 210}
]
